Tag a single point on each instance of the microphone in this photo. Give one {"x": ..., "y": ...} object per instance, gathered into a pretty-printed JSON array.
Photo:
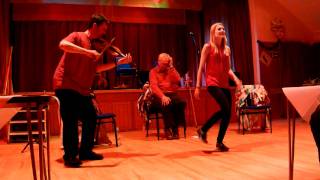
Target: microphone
[{"x": 191, "y": 34}]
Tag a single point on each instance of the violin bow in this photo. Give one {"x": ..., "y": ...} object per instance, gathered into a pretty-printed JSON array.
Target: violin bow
[
  {"x": 117, "y": 50},
  {"x": 107, "y": 46}
]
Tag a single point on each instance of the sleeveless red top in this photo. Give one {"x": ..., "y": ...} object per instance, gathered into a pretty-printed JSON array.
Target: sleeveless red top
[{"x": 217, "y": 68}]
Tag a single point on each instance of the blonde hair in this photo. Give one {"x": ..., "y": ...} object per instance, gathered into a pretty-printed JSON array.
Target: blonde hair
[{"x": 213, "y": 42}]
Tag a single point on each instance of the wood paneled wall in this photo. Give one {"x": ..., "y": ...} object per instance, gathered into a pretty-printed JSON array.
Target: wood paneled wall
[{"x": 124, "y": 104}]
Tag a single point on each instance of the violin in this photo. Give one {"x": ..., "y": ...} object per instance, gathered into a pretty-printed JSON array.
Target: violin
[{"x": 101, "y": 45}]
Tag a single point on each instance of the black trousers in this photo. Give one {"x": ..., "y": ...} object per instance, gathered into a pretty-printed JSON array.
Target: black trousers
[
  {"x": 223, "y": 98},
  {"x": 74, "y": 107},
  {"x": 173, "y": 114},
  {"x": 315, "y": 127}
]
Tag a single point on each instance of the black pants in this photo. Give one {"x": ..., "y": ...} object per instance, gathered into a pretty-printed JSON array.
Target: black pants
[
  {"x": 223, "y": 98},
  {"x": 315, "y": 128},
  {"x": 74, "y": 107},
  {"x": 173, "y": 113}
]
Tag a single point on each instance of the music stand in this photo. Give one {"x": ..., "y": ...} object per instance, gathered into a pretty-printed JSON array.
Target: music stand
[
  {"x": 125, "y": 71},
  {"x": 39, "y": 102}
]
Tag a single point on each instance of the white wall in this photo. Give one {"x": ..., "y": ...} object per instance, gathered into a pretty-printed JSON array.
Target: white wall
[{"x": 262, "y": 12}]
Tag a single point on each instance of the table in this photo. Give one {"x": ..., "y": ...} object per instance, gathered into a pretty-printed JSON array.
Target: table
[
  {"x": 38, "y": 102},
  {"x": 6, "y": 111},
  {"x": 304, "y": 99}
]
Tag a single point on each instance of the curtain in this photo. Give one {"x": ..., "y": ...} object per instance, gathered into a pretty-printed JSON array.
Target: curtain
[
  {"x": 287, "y": 65},
  {"x": 235, "y": 17},
  {"x": 314, "y": 65},
  {"x": 37, "y": 53},
  {"x": 4, "y": 44}
]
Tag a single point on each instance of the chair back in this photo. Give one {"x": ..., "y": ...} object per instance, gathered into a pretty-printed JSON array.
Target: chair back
[
  {"x": 95, "y": 104},
  {"x": 144, "y": 100},
  {"x": 252, "y": 95}
]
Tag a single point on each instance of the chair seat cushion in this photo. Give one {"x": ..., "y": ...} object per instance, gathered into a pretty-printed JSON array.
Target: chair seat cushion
[
  {"x": 256, "y": 107},
  {"x": 105, "y": 115}
]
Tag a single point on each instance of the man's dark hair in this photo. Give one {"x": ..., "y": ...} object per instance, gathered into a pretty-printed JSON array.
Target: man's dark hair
[{"x": 98, "y": 19}]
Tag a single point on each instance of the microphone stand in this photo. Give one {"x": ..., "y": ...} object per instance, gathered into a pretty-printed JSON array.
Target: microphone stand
[
  {"x": 187, "y": 85},
  {"x": 197, "y": 51},
  {"x": 188, "y": 81}
]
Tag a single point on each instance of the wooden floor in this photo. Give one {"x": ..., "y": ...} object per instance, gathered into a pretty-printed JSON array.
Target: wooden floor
[{"x": 252, "y": 156}]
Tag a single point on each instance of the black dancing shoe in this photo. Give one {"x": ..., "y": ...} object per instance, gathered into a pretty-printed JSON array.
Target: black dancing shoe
[
  {"x": 202, "y": 135},
  {"x": 221, "y": 147},
  {"x": 90, "y": 156},
  {"x": 175, "y": 133},
  {"x": 175, "y": 136},
  {"x": 72, "y": 162},
  {"x": 168, "y": 134}
]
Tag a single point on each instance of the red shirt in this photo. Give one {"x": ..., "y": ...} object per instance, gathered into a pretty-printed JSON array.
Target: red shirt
[
  {"x": 75, "y": 71},
  {"x": 217, "y": 68},
  {"x": 162, "y": 82}
]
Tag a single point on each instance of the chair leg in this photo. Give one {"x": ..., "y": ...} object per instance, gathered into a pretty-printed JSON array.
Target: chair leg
[
  {"x": 115, "y": 130},
  {"x": 147, "y": 125},
  {"x": 263, "y": 127},
  {"x": 242, "y": 117},
  {"x": 97, "y": 131},
  {"x": 270, "y": 120},
  {"x": 239, "y": 120},
  {"x": 158, "y": 130},
  {"x": 184, "y": 130}
]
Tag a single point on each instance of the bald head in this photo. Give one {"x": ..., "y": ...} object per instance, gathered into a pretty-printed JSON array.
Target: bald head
[
  {"x": 164, "y": 58},
  {"x": 164, "y": 61}
]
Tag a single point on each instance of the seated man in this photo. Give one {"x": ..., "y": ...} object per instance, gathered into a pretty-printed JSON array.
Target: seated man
[
  {"x": 315, "y": 128},
  {"x": 164, "y": 81}
]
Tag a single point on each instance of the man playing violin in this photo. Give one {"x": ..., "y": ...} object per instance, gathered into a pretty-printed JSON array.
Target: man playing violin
[{"x": 72, "y": 81}]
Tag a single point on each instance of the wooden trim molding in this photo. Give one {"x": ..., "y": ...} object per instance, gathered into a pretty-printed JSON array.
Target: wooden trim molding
[
  {"x": 73, "y": 12},
  {"x": 195, "y": 5}
]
